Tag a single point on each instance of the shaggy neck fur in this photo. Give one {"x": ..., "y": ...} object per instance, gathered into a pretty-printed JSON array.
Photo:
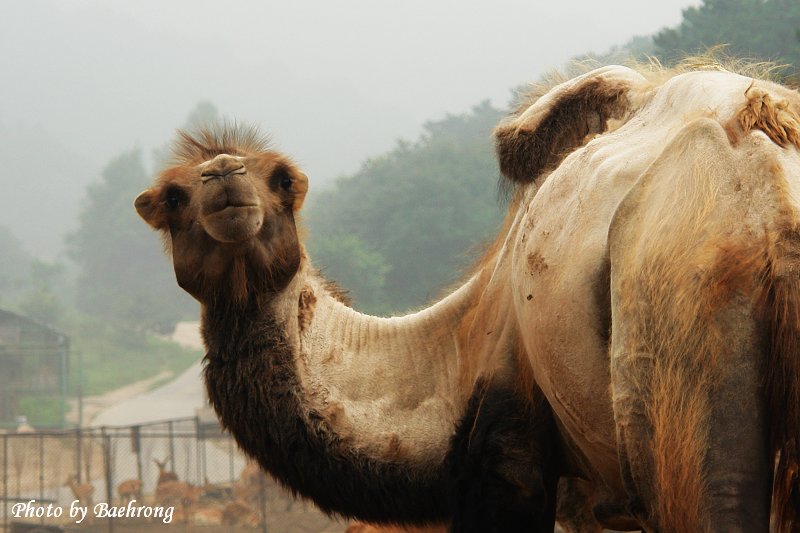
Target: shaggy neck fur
[{"x": 353, "y": 411}]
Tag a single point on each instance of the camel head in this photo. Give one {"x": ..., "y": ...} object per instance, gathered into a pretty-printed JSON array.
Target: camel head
[{"x": 226, "y": 209}]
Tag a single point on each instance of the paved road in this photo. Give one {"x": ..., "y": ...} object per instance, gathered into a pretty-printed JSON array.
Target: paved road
[{"x": 181, "y": 397}]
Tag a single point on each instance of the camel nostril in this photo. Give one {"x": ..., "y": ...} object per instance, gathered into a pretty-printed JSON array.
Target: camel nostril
[
  {"x": 212, "y": 175},
  {"x": 221, "y": 166}
]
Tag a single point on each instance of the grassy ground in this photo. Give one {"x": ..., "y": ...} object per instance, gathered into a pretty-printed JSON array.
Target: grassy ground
[{"x": 114, "y": 356}]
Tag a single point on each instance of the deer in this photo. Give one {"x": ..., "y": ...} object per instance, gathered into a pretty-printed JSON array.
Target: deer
[
  {"x": 129, "y": 490},
  {"x": 249, "y": 485},
  {"x": 164, "y": 475},
  {"x": 239, "y": 513},
  {"x": 83, "y": 492}
]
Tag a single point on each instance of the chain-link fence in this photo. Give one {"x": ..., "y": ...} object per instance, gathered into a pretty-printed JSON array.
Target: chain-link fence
[{"x": 142, "y": 478}]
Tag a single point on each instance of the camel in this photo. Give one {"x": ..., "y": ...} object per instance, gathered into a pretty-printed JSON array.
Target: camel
[
  {"x": 227, "y": 212},
  {"x": 633, "y": 328}
]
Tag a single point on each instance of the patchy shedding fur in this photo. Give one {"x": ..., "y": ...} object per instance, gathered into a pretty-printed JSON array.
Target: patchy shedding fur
[
  {"x": 688, "y": 353},
  {"x": 773, "y": 117},
  {"x": 525, "y": 151},
  {"x": 305, "y": 308}
]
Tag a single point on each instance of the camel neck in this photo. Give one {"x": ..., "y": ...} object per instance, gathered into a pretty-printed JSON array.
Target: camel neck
[
  {"x": 353, "y": 411},
  {"x": 405, "y": 375}
]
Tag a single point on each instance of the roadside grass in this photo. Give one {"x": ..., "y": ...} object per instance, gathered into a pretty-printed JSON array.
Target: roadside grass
[{"x": 115, "y": 356}]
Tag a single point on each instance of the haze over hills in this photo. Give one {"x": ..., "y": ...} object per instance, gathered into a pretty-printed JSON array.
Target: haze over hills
[
  {"x": 93, "y": 90},
  {"x": 334, "y": 83}
]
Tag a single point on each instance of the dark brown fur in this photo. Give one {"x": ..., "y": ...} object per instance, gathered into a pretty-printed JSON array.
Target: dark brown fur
[
  {"x": 526, "y": 151},
  {"x": 204, "y": 265},
  {"x": 504, "y": 464},
  {"x": 780, "y": 303}
]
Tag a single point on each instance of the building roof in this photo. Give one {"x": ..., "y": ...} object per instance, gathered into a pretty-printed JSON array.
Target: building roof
[{"x": 17, "y": 330}]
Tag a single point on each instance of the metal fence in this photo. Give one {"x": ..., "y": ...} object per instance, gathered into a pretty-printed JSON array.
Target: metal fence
[{"x": 142, "y": 478}]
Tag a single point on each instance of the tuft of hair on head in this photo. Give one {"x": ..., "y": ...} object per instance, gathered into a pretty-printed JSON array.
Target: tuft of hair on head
[{"x": 204, "y": 143}]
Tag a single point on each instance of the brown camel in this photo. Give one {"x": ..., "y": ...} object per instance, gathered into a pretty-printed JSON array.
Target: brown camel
[
  {"x": 634, "y": 326},
  {"x": 285, "y": 349}
]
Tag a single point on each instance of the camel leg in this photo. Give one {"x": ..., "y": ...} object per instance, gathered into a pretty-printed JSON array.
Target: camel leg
[
  {"x": 690, "y": 421},
  {"x": 504, "y": 465},
  {"x": 574, "y": 510}
]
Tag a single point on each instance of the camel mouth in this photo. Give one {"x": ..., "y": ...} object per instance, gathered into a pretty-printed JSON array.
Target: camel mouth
[
  {"x": 231, "y": 209},
  {"x": 233, "y": 223}
]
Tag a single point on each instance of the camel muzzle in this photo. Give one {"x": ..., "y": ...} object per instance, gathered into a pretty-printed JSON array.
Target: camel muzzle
[{"x": 220, "y": 167}]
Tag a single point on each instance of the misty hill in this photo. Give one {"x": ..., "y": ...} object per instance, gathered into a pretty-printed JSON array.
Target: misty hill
[
  {"x": 404, "y": 224},
  {"x": 90, "y": 84},
  {"x": 48, "y": 182},
  {"x": 335, "y": 82},
  {"x": 409, "y": 220}
]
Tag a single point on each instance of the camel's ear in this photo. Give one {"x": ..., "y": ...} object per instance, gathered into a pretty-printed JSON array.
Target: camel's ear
[
  {"x": 146, "y": 205},
  {"x": 299, "y": 188},
  {"x": 539, "y": 137}
]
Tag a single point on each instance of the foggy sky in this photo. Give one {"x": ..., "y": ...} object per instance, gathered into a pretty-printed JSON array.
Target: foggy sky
[{"x": 333, "y": 82}]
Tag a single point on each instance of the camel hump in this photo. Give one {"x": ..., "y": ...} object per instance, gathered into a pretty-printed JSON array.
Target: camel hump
[{"x": 541, "y": 134}]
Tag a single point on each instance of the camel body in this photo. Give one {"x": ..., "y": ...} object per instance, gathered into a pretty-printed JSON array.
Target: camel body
[{"x": 634, "y": 326}]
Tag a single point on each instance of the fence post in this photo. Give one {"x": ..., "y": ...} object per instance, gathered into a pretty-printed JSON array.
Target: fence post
[
  {"x": 5, "y": 481},
  {"x": 171, "y": 446},
  {"x": 41, "y": 467},
  {"x": 79, "y": 452},
  {"x": 200, "y": 467},
  {"x": 109, "y": 480},
  {"x": 136, "y": 444}
]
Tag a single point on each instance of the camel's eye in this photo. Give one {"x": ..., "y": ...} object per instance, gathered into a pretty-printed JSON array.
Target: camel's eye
[
  {"x": 173, "y": 198},
  {"x": 282, "y": 178}
]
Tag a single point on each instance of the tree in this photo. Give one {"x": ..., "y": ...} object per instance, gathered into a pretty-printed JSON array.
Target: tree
[
  {"x": 16, "y": 265},
  {"x": 412, "y": 216},
  {"x": 122, "y": 275},
  {"x": 203, "y": 114},
  {"x": 758, "y": 29},
  {"x": 360, "y": 270},
  {"x": 42, "y": 301}
]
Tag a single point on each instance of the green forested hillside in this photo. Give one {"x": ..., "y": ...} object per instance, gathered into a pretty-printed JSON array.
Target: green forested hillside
[
  {"x": 755, "y": 29},
  {"x": 124, "y": 276},
  {"x": 407, "y": 222}
]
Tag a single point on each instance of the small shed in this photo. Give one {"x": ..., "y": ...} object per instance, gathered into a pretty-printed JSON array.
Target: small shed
[{"x": 34, "y": 370}]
